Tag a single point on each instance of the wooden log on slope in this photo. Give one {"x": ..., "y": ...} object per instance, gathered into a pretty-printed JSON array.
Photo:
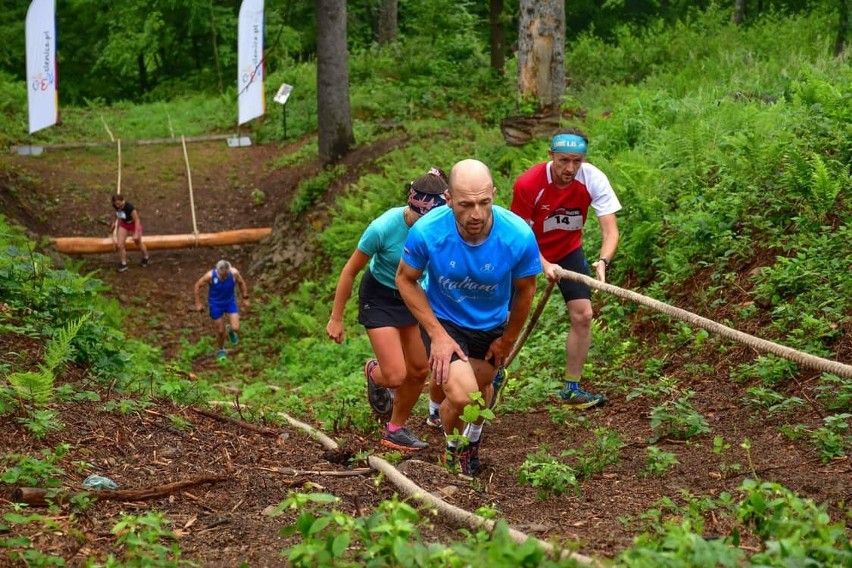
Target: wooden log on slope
[{"x": 93, "y": 245}]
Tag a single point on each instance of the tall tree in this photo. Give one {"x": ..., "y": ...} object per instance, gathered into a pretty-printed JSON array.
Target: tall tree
[
  {"x": 541, "y": 53},
  {"x": 840, "y": 43},
  {"x": 333, "y": 108},
  {"x": 498, "y": 36},
  {"x": 739, "y": 12},
  {"x": 388, "y": 15}
]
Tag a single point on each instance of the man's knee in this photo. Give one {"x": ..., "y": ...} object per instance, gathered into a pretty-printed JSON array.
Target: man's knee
[{"x": 581, "y": 314}]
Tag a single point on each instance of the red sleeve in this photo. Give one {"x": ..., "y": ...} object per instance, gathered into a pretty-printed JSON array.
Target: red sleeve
[{"x": 521, "y": 204}]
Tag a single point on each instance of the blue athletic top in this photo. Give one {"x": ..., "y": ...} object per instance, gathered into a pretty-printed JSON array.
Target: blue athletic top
[
  {"x": 382, "y": 241},
  {"x": 470, "y": 285},
  {"x": 221, "y": 291}
]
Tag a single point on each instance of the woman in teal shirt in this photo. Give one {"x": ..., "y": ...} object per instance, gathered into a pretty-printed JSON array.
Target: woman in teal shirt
[{"x": 400, "y": 363}]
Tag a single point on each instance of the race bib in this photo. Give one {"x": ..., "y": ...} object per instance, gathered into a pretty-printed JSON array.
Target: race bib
[{"x": 564, "y": 220}]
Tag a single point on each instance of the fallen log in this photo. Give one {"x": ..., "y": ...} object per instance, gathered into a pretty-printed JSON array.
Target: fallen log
[
  {"x": 38, "y": 497},
  {"x": 94, "y": 245}
]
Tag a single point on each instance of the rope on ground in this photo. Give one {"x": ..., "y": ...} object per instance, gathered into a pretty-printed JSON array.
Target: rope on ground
[
  {"x": 189, "y": 181},
  {"x": 806, "y": 359},
  {"x": 459, "y": 517}
]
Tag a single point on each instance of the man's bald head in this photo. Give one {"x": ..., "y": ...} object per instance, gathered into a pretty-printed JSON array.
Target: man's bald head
[
  {"x": 470, "y": 173},
  {"x": 471, "y": 196}
]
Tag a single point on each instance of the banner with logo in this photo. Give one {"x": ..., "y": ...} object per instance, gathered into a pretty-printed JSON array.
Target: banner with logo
[
  {"x": 250, "y": 96},
  {"x": 42, "y": 94}
]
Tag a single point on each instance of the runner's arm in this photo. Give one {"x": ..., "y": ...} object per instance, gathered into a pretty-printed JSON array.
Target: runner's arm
[
  {"x": 609, "y": 234},
  {"x": 242, "y": 282},
  {"x": 443, "y": 346},
  {"x": 198, "y": 285},
  {"x": 343, "y": 292}
]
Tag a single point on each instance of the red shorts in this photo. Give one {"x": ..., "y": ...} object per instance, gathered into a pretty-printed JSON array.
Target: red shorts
[{"x": 129, "y": 227}]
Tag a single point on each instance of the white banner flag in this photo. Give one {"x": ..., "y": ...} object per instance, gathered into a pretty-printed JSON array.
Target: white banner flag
[
  {"x": 250, "y": 96},
  {"x": 42, "y": 77}
]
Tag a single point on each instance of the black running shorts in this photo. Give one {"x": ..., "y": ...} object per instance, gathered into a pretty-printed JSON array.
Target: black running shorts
[
  {"x": 575, "y": 261},
  {"x": 474, "y": 342},
  {"x": 380, "y": 306}
]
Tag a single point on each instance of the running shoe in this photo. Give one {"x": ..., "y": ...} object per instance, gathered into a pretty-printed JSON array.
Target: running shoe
[
  {"x": 469, "y": 459},
  {"x": 580, "y": 399},
  {"x": 232, "y": 335},
  {"x": 122, "y": 266},
  {"x": 499, "y": 382},
  {"x": 380, "y": 398},
  {"x": 144, "y": 262},
  {"x": 403, "y": 440},
  {"x": 221, "y": 354},
  {"x": 434, "y": 420}
]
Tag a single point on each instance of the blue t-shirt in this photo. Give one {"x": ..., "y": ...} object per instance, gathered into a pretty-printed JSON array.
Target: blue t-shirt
[
  {"x": 382, "y": 241},
  {"x": 470, "y": 285},
  {"x": 221, "y": 291}
]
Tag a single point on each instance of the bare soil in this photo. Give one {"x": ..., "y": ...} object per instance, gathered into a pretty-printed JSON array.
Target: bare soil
[{"x": 66, "y": 193}]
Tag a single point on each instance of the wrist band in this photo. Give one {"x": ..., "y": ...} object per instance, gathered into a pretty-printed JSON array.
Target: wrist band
[{"x": 605, "y": 261}]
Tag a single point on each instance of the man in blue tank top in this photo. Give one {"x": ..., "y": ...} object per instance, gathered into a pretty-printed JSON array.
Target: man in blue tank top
[
  {"x": 474, "y": 253},
  {"x": 221, "y": 299}
]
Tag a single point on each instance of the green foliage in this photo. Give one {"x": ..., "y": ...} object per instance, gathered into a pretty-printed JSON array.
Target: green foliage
[
  {"x": 141, "y": 539},
  {"x": 834, "y": 440},
  {"x": 310, "y": 190},
  {"x": 390, "y": 536},
  {"x": 35, "y": 472},
  {"x": 793, "y": 530},
  {"x": 596, "y": 454},
  {"x": 37, "y": 387},
  {"x": 678, "y": 419},
  {"x": 548, "y": 475},
  {"x": 657, "y": 462}
]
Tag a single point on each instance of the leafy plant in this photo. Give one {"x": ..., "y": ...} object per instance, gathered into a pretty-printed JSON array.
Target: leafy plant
[
  {"x": 598, "y": 453},
  {"x": 37, "y": 386},
  {"x": 677, "y": 419},
  {"x": 549, "y": 475},
  {"x": 26, "y": 470},
  {"x": 720, "y": 448},
  {"x": 657, "y": 462},
  {"x": 141, "y": 537}
]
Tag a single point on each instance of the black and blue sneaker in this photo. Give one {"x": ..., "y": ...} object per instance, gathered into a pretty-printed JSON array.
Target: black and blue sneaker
[
  {"x": 469, "y": 459},
  {"x": 498, "y": 383},
  {"x": 580, "y": 399},
  {"x": 380, "y": 398}
]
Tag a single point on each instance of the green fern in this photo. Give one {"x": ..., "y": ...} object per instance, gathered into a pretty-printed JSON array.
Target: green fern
[
  {"x": 37, "y": 386},
  {"x": 824, "y": 187}
]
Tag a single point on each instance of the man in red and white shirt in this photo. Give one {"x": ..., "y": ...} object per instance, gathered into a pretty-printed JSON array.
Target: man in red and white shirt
[{"x": 554, "y": 197}]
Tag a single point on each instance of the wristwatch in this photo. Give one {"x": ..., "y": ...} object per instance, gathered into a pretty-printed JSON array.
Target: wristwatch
[{"x": 605, "y": 261}]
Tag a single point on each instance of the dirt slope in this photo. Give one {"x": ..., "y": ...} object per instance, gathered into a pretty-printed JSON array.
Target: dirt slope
[{"x": 224, "y": 523}]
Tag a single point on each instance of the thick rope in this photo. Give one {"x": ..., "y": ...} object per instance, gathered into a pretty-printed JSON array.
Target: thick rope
[
  {"x": 189, "y": 181},
  {"x": 539, "y": 308},
  {"x": 806, "y": 359}
]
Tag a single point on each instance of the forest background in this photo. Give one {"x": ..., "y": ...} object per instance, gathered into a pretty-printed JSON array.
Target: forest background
[{"x": 729, "y": 145}]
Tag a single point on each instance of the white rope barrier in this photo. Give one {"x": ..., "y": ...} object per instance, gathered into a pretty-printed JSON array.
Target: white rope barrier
[{"x": 806, "y": 359}]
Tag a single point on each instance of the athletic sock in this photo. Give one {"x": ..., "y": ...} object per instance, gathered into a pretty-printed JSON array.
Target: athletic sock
[
  {"x": 434, "y": 406},
  {"x": 473, "y": 432},
  {"x": 393, "y": 428}
]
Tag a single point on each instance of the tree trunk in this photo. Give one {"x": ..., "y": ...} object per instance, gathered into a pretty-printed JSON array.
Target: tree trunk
[
  {"x": 541, "y": 53},
  {"x": 739, "y": 12},
  {"x": 215, "y": 49},
  {"x": 333, "y": 108},
  {"x": 387, "y": 21},
  {"x": 143, "y": 73},
  {"x": 843, "y": 26},
  {"x": 498, "y": 36}
]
